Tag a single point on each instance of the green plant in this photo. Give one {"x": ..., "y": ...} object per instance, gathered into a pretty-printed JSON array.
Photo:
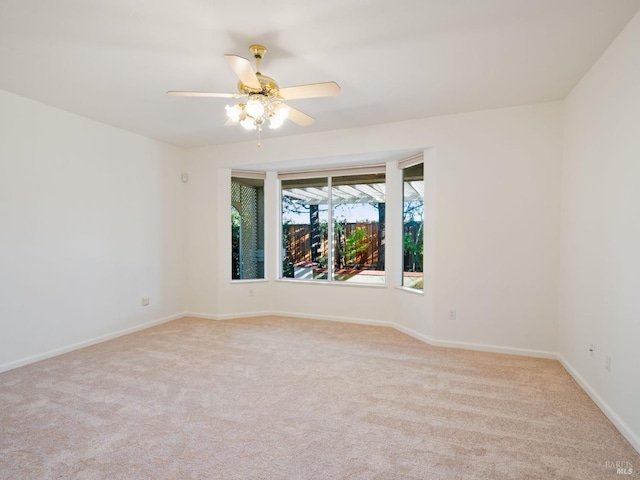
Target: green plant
[
  {"x": 236, "y": 223},
  {"x": 412, "y": 247},
  {"x": 356, "y": 244}
]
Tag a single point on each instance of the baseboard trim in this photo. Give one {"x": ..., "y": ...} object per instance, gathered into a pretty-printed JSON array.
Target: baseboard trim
[
  {"x": 412, "y": 333},
  {"x": 330, "y": 318},
  {"x": 86, "y": 343},
  {"x": 327, "y": 318},
  {"x": 228, "y": 316},
  {"x": 622, "y": 427},
  {"x": 480, "y": 347}
]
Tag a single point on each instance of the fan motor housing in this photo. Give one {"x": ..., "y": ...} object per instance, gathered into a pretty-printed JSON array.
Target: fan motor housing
[{"x": 269, "y": 86}]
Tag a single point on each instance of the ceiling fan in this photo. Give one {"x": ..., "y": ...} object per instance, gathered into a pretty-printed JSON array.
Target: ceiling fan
[{"x": 264, "y": 98}]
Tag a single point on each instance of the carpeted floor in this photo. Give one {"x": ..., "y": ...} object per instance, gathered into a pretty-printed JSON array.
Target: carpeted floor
[{"x": 277, "y": 398}]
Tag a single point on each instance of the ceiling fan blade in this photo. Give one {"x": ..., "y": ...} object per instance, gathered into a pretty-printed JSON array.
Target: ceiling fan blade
[
  {"x": 244, "y": 71},
  {"x": 230, "y": 123},
  {"x": 302, "y": 119},
  {"x": 175, "y": 93},
  {"x": 313, "y": 90}
]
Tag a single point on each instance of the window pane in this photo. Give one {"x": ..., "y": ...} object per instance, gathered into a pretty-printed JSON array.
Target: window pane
[
  {"x": 247, "y": 228},
  {"x": 358, "y": 228},
  {"x": 413, "y": 226},
  {"x": 305, "y": 218}
]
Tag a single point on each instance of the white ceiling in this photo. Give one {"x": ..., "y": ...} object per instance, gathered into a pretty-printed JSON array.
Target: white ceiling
[{"x": 114, "y": 60}]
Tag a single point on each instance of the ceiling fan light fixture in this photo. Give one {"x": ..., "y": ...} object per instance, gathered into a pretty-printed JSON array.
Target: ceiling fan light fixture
[
  {"x": 279, "y": 113},
  {"x": 275, "y": 122},
  {"x": 234, "y": 113},
  {"x": 255, "y": 107},
  {"x": 248, "y": 123},
  {"x": 280, "y": 110}
]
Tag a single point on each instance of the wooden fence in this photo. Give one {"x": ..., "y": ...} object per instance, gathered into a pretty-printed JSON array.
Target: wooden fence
[{"x": 298, "y": 243}]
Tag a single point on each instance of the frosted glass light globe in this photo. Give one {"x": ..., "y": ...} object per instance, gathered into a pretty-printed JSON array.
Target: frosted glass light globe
[
  {"x": 254, "y": 108},
  {"x": 234, "y": 112},
  {"x": 248, "y": 123}
]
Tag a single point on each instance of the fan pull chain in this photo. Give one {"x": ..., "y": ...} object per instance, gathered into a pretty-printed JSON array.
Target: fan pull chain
[{"x": 259, "y": 136}]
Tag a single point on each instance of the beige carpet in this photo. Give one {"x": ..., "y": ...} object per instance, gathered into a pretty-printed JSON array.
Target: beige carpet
[{"x": 276, "y": 398}]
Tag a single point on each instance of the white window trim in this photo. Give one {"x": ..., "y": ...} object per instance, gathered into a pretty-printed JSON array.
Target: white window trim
[
  {"x": 333, "y": 172},
  {"x": 253, "y": 174},
  {"x": 411, "y": 161},
  {"x": 402, "y": 165},
  {"x": 328, "y": 173}
]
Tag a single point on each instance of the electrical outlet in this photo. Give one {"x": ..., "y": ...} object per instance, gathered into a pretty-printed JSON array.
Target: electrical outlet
[
  {"x": 607, "y": 363},
  {"x": 453, "y": 314},
  {"x": 592, "y": 350},
  {"x": 145, "y": 301}
]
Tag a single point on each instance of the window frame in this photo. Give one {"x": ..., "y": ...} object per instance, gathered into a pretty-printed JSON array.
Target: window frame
[
  {"x": 403, "y": 165},
  {"x": 328, "y": 174},
  {"x": 260, "y": 252}
]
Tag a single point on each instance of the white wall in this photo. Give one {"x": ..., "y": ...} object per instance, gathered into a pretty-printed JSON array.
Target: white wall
[
  {"x": 600, "y": 282},
  {"x": 91, "y": 220},
  {"x": 493, "y": 183}
]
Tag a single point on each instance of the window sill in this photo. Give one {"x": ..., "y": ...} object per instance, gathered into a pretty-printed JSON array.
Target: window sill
[
  {"x": 249, "y": 280},
  {"x": 414, "y": 291},
  {"x": 327, "y": 282}
]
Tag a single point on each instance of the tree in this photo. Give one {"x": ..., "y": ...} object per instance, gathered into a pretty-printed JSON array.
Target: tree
[
  {"x": 412, "y": 248},
  {"x": 236, "y": 264},
  {"x": 412, "y": 241},
  {"x": 356, "y": 244}
]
